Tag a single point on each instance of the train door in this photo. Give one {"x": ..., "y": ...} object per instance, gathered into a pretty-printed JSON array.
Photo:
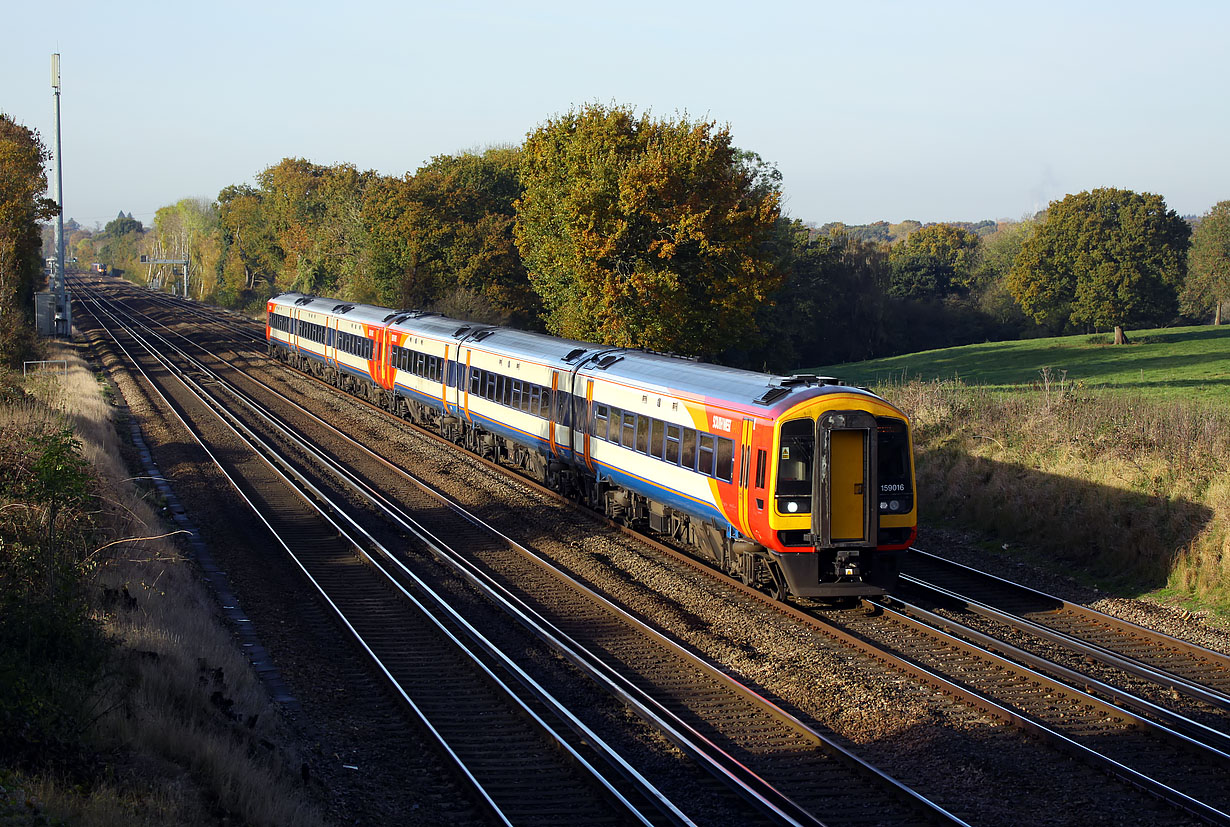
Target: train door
[
  {"x": 589, "y": 407},
  {"x": 745, "y": 468},
  {"x": 463, "y": 382},
  {"x": 846, "y": 515},
  {"x": 552, "y": 434}
]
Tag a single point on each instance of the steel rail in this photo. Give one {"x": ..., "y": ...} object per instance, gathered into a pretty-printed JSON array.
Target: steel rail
[
  {"x": 1087, "y": 648},
  {"x": 959, "y": 692},
  {"x": 1142, "y": 781},
  {"x": 287, "y": 473},
  {"x": 747, "y": 782}
]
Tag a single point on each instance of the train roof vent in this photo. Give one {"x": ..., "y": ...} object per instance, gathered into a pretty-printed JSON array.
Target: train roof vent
[
  {"x": 606, "y": 361},
  {"x": 483, "y": 334},
  {"x": 302, "y": 300},
  {"x": 575, "y": 353},
  {"x": 463, "y": 329},
  {"x": 773, "y": 394},
  {"x": 799, "y": 379}
]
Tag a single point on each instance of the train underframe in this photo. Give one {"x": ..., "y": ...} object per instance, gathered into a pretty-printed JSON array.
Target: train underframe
[{"x": 821, "y": 573}]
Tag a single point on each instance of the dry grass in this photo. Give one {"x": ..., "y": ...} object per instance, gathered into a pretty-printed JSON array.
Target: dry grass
[
  {"x": 186, "y": 733},
  {"x": 1133, "y": 492}
]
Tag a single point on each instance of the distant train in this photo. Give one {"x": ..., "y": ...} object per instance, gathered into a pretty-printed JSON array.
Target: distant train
[{"x": 795, "y": 483}]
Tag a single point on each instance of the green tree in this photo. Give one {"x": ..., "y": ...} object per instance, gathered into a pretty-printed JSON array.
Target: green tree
[
  {"x": 1207, "y": 287},
  {"x": 1106, "y": 258},
  {"x": 22, "y": 207},
  {"x": 647, "y": 233},
  {"x": 250, "y": 253},
  {"x": 934, "y": 261},
  {"x": 830, "y": 307},
  {"x": 999, "y": 251},
  {"x": 121, "y": 248}
]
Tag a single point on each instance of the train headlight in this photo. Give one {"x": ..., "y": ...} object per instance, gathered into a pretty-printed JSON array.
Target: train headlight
[
  {"x": 894, "y": 505},
  {"x": 792, "y": 506}
]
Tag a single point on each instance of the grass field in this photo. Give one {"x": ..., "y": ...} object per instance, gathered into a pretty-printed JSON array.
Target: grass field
[{"x": 1182, "y": 363}]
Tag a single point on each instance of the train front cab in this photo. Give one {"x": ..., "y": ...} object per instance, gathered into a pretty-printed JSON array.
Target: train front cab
[{"x": 856, "y": 468}]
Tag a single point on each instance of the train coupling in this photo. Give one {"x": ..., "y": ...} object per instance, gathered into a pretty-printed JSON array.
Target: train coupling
[{"x": 847, "y": 564}]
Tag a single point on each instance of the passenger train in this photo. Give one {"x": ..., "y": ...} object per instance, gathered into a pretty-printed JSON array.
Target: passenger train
[{"x": 798, "y": 484}]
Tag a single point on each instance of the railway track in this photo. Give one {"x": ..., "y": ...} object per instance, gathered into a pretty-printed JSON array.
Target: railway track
[
  {"x": 427, "y": 653},
  {"x": 790, "y": 772},
  {"x": 1000, "y": 703},
  {"x": 1184, "y": 669}
]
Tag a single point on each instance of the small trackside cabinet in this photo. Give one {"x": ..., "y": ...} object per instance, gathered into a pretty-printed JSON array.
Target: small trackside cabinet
[{"x": 845, "y": 482}]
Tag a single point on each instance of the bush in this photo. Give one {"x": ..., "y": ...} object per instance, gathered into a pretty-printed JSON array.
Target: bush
[{"x": 53, "y": 650}]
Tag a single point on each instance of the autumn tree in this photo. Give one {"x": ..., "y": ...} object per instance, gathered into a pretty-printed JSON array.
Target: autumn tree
[
  {"x": 1207, "y": 287},
  {"x": 189, "y": 228},
  {"x": 647, "y": 233},
  {"x": 314, "y": 213},
  {"x": 22, "y": 207},
  {"x": 1105, "y": 258},
  {"x": 443, "y": 238}
]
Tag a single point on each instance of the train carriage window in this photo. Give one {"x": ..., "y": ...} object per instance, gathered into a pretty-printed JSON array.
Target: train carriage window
[
  {"x": 628, "y": 440},
  {"x": 673, "y": 433},
  {"x": 642, "y": 434},
  {"x": 761, "y": 458},
  {"x": 435, "y": 373},
  {"x": 704, "y": 454},
  {"x": 533, "y": 398},
  {"x": 544, "y": 404},
  {"x": 515, "y": 400},
  {"x": 687, "y": 449},
  {"x": 492, "y": 383},
  {"x": 476, "y": 380},
  {"x": 725, "y": 458},
  {"x": 601, "y": 415},
  {"x": 656, "y": 438}
]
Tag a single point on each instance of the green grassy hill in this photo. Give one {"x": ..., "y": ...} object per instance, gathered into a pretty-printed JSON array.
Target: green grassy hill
[{"x": 1170, "y": 363}]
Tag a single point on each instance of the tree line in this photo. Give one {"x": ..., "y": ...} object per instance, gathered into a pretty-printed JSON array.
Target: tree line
[{"x": 610, "y": 225}]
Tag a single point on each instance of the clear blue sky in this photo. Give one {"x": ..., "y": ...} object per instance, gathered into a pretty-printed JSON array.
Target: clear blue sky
[{"x": 933, "y": 111}]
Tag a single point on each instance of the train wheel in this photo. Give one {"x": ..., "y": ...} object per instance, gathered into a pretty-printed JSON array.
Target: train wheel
[{"x": 778, "y": 590}]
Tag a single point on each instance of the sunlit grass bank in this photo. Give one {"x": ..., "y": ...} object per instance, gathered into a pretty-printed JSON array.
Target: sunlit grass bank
[
  {"x": 1127, "y": 490},
  {"x": 1186, "y": 363}
]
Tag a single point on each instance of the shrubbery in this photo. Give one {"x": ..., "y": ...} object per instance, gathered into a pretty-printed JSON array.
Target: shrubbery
[
  {"x": 1134, "y": 492},
  {"x": 52, "y": 650}
]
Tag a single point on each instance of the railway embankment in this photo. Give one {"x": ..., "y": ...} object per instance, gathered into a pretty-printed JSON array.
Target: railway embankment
[
  {"x": 1129, "y": 494},
  {"x": 123, "y": 698}
]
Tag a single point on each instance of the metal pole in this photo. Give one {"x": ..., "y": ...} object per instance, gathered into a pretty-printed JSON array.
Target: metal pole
[{"x": 55, "y": 84}]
